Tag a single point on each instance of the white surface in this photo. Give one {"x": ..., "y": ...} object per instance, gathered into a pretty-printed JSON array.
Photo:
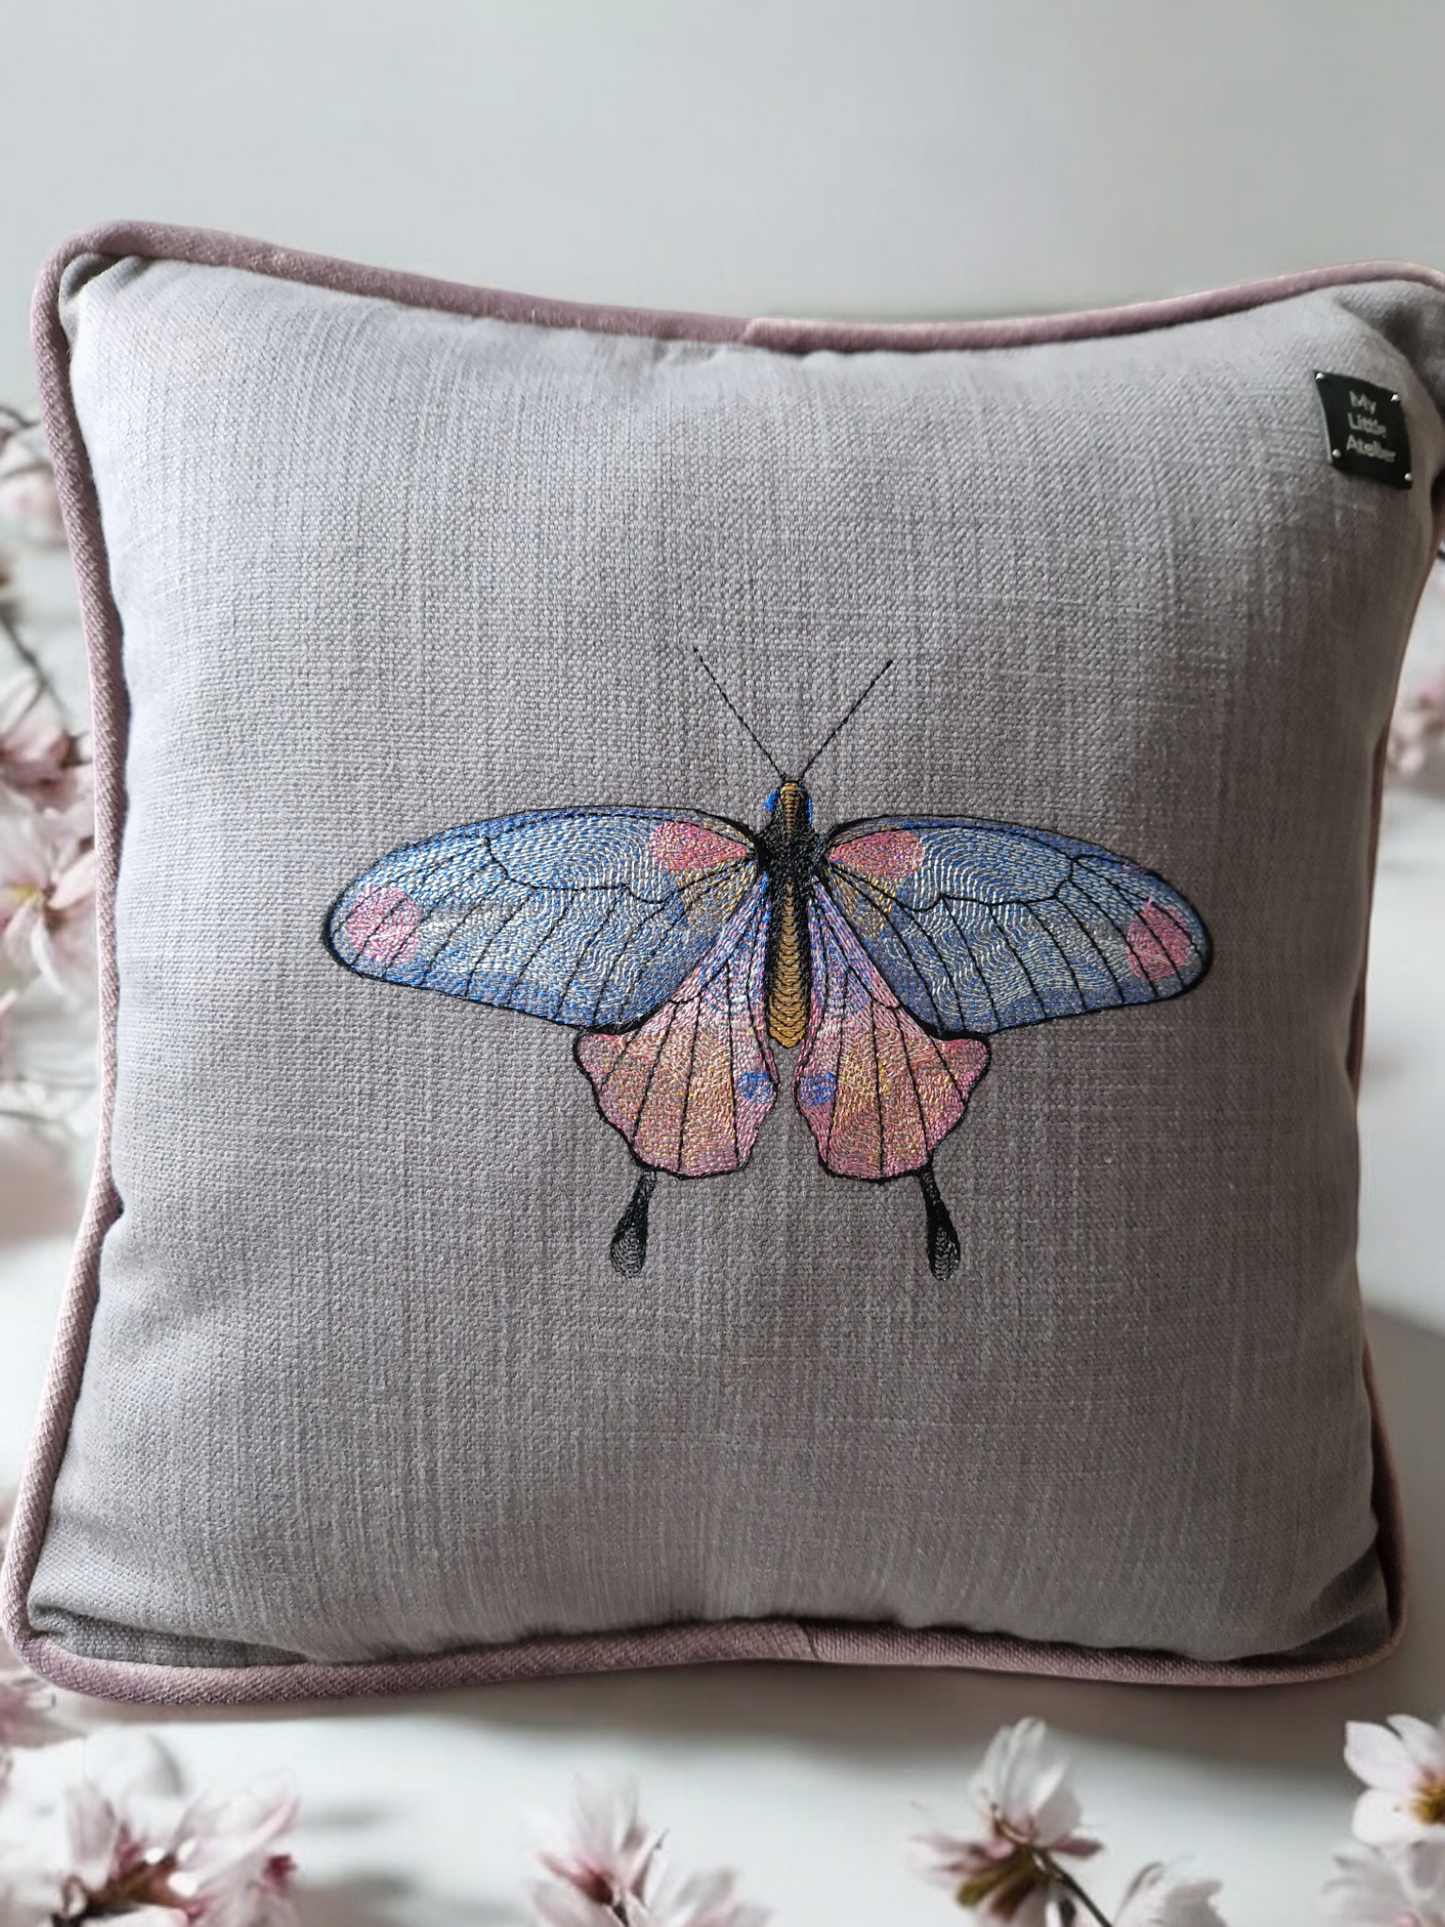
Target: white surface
[{"x": 809, "y": 1779}]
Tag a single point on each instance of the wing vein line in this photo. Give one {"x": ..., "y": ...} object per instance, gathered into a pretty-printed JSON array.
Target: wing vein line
[
  {"x": 696, "y": 1006},
  {"x": 1087, "y": 934},
  {"x": 890, "y": 908},
  {"x": 646, "y": 1097},
  {"x": 1062, "y": 954},
  {"x": 584, "y": 944}
]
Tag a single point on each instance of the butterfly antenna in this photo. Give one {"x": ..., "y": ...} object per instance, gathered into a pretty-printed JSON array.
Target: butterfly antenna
[
  {"x": 768, "y": 758},
  {"x": 837, "y": 728}
]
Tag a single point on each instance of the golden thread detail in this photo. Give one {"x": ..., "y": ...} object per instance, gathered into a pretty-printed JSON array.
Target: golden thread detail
[{"x": 787, "y": 997}]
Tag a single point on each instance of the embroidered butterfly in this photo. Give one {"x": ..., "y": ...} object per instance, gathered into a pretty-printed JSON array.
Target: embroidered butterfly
[{"x": 686, "y": 948}]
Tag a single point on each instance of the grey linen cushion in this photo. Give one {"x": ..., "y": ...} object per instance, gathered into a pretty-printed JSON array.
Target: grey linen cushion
[{"x": 348, "y": 1380}]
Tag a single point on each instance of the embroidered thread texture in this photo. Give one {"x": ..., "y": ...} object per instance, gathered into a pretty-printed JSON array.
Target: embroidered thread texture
[{"x": 684, "y": 948}]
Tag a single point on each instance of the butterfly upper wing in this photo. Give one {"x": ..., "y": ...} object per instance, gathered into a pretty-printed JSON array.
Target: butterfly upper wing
[
  {"x": 690, "y": 1085},
  {"x": 590, "y": 917},
  {"x": 878, "y": 1091},
  {"x": 980, "y": 926}
]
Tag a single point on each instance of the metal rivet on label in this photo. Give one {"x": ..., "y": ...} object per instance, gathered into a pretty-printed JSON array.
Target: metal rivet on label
[
  {"x": 1408, "y": 476},
  {"x": 1394, "y": 398},
  {"x": 1336, "y": 453}
]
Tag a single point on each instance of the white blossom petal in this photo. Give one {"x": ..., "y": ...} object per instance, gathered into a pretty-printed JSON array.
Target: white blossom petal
[
  {"x": 38, "y": 754},
  {"x": 1022, "y": 1788},
  {"x": 133, "y": 1847},
  {"x": 47, "y": 916},
  {"x": 1375, "y": 1887},
  {"x": 1378, "y": 1757},
  {"x": 602, "y": 1839},
  {"x": 1379, "y": 1819},
  {"x": 562, "y": 1906},
  {"x": 1424, "y": 1744},
  {"x": 92, "y": 1828},
  {"x": 1159, "y": 1898},
  {"x": 702, "y": 1900},
  {"x": 603, "y": 1865}
]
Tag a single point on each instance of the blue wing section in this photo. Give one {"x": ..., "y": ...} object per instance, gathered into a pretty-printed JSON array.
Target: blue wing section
[
  {"x": 980, "y": 926},
  {"x": 590, "y": 917}
]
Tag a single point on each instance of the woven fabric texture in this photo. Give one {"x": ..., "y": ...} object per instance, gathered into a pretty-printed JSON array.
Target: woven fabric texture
[{"x": 361, "y": 1380}]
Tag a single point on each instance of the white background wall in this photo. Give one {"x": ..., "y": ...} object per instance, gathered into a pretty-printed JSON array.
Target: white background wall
[{"x": 908, "y": 156}]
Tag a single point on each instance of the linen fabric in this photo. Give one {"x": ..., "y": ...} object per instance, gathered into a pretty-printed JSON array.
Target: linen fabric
[{"x": 361, "y": 1392}]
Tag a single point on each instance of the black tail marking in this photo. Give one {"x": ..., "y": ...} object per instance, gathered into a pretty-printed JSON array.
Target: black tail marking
[
  {"x": 629, "y": 1240},
  {"x": 942, "y": 1239}
]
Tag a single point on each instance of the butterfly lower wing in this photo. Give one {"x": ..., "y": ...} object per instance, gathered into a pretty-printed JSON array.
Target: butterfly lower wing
[
  {"x": 690, "y": 1085},
  {"x": 877, "y": 1089},
  {"x": 582, "y": 916},
  {"x": 981, "y": 927}
]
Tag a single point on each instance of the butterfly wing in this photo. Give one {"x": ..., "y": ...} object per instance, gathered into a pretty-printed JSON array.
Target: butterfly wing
[
  {"x": 877, "y": 1089},
  {"x": 979, "y": 926},
  {"x": 689, "y": 1086},
  {"x": 590, "y": 917}
]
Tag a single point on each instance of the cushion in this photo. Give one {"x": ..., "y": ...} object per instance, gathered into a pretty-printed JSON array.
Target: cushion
[{"x": 884, "y": 818}]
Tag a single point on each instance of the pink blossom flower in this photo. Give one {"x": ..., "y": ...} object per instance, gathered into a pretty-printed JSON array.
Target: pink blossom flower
[
  {"x": 604, "y": 1868},
  {"x": 47, "y": 890},
  {"x": 1387, "y": 1887},
  {"x": 228, "y": 1864},
  {"x": 1404, "y": 1775},
  {"x": 1030, "y": 1816},
  {"x": 38, "y": 758},
  {"x": 133, "y": 1845},
  {"x": 1159, "y": 1898},
  {"x": 28, "y": 500},
  {"x": 598, "y": 1861}
]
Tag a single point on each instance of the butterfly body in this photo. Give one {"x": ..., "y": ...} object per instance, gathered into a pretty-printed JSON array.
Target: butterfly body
[{"x": 790, "y": 848}]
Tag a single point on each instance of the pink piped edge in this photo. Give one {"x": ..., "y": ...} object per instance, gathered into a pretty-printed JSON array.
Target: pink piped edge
[{"x": 669, "y": 1645}]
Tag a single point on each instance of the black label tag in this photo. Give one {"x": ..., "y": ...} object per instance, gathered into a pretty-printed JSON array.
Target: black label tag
[{"x": 1365, "y": 428}]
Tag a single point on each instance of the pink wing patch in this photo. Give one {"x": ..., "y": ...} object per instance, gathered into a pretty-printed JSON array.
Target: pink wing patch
[
  {"x": 690, "y": 1085},
  {"x": 1158, "y": 942},
  {"x": 683, "y": 849},
  {"x": 877, "y": 1090},
  {"x": 885, "y": 855},
  {"x": 383, "y": 926}
]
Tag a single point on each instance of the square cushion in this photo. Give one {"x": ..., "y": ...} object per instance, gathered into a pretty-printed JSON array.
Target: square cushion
[{"x": 675, "y": 1284}]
